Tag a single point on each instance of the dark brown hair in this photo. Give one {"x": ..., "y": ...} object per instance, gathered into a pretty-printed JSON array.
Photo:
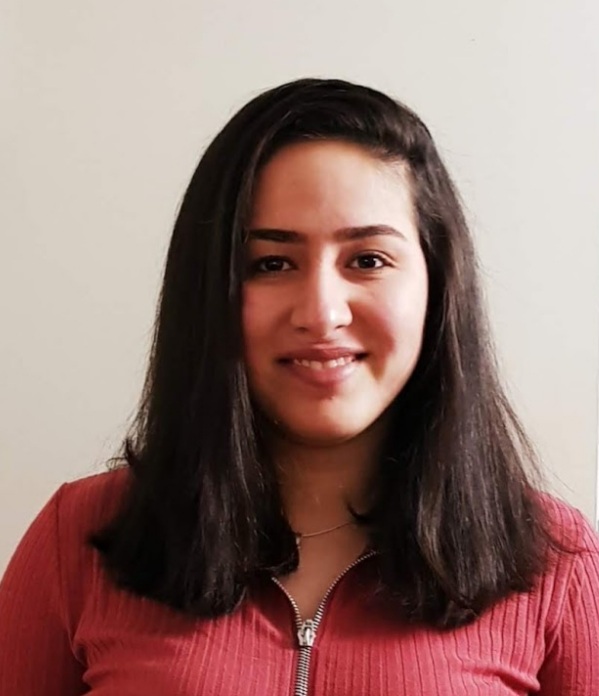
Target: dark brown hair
[{"x": 458, "y": 524}]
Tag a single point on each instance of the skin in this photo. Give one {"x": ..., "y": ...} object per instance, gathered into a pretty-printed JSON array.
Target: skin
[
  {"x": 320, "y": 289},
  {"x": 334, "y": 267}
]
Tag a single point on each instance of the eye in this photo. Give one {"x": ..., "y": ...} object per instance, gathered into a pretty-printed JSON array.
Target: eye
[
  {"x": 269, "y": 264},
  {"x": 369, "y": 262}
]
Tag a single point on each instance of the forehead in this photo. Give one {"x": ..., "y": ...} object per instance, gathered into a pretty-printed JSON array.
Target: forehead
[{"x": 312, "y": 186}]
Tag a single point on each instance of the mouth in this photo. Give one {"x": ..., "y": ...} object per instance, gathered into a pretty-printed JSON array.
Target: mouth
[
  {"x": 323, "y": 370},
  {"x": 320, "y": 365}
]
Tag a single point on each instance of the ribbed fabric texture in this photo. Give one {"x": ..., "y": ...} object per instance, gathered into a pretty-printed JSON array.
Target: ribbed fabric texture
[{"x": 65, "y": 629}]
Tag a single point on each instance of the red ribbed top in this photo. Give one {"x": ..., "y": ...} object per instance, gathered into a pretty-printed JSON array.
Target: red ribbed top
[{"x": 65, "y": 629}]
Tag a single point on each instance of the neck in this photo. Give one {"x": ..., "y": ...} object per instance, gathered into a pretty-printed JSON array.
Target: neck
[{"x": 319, "y": 483}]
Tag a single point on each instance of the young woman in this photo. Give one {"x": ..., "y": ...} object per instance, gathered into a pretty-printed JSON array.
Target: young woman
[{"x": 326, "y": 491}]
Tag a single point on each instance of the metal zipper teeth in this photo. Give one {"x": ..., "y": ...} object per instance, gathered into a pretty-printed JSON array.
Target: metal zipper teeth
[{"x": 305, "y": 655}]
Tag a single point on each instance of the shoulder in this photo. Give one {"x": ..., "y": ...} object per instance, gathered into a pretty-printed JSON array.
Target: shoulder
[
  {"x": 84, "y": 508},
  {"x": 88, "y": 504},
  {"x": 74, "y": 514},
  {"x": 568, "y": 596},
  {"x": 568, "y": 526},
  {"x": 56, "y": 549},
  {"x": 571, "y": 574}
]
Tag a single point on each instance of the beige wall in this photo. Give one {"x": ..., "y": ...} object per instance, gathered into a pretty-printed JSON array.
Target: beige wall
[{"x": 108, "y": 107}]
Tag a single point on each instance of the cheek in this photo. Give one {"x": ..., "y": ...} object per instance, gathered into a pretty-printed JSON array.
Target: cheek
[
  {"x": 400, "y": 324},
  {"x": 250, "y": 320},
  {"x": 257, "y": 316}
]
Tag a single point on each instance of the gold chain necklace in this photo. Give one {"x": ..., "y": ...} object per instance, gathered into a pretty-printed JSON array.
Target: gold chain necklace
[{"x": 299, "y": 536}]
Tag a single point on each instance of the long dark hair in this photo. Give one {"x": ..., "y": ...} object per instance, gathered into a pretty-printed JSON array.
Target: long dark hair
[{"x": 458, "y": 524}]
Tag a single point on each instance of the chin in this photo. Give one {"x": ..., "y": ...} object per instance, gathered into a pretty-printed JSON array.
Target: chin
[
  {"x": 319, "y": 439},
  {"x": 323, "y": 434}
]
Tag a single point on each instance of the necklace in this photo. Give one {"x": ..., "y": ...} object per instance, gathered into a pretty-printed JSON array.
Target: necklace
[{"x": 299, "y": 536}]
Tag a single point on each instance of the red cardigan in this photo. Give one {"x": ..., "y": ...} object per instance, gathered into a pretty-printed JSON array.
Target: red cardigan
[{"x": 65, "y": 628}]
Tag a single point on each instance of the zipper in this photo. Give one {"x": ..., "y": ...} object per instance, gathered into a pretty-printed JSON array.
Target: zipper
[{"x": 306, "y": 630}]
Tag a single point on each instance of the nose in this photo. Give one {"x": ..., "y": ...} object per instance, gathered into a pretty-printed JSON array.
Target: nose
[{"x": 322, "y": 304}]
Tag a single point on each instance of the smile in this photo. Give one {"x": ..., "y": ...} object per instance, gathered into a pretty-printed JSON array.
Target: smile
[
  {"x": 323, "y": 372},
  {"x": 325, "y": 364}
]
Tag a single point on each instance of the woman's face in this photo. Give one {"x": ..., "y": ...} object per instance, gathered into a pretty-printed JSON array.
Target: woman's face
[{"x": 335, "y": 294}]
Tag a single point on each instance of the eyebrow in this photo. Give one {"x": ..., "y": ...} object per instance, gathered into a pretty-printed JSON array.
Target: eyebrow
[{"x": 345, "y": 234}]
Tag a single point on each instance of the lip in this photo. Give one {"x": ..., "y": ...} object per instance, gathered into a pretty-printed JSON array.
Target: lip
[
  {"x": 326, "y": 378},
  {"x": 323, "y": 354}
]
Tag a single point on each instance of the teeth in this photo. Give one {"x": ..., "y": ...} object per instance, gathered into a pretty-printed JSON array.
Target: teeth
[{"x": 325, "y": 365}]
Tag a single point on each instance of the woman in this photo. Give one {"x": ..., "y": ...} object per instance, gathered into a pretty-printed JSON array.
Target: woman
[{"x": 326, "y": 490}]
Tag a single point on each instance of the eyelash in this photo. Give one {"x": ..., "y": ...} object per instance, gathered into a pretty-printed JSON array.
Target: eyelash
[
  {"x": 383, "y": 261},
  {"x": 257, "y": 266}
]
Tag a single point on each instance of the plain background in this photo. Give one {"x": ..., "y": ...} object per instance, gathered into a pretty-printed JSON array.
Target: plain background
[{"x": 106, "y": 108}]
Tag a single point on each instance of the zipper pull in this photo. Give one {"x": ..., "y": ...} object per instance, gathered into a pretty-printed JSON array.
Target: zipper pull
[{"x": 306, "y": 634}]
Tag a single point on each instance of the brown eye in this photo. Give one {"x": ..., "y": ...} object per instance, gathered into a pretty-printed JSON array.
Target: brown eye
[
  {"x": 270, "y": 264},
  {"x": 368, "y": 262}
]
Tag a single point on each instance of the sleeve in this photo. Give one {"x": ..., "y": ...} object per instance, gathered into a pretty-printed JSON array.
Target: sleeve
[
  {"x": 571, "y": 666},
  {"x": 36, "y": 658}
]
